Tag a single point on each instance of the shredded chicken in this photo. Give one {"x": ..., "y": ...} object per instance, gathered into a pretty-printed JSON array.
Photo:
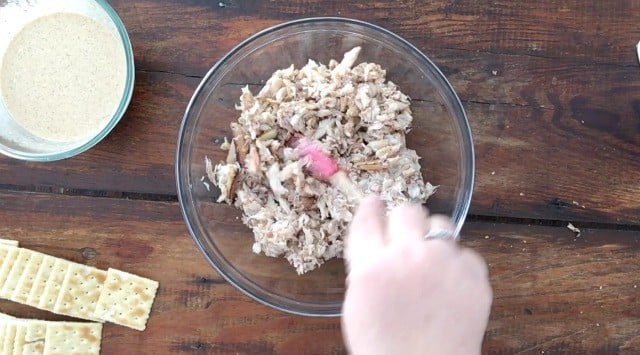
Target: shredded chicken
[
  {"x": 574, "y": 229},
  {"x": 357, "y": 116}
]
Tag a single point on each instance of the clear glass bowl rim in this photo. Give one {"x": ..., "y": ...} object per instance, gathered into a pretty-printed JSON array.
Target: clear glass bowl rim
[
  {"x": 248, "y": 287},
  {"x": 122, "y": 107}
]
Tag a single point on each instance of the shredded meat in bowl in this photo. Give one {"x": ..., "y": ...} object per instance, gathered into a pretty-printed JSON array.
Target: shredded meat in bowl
[{"x": 357, "y": 116}]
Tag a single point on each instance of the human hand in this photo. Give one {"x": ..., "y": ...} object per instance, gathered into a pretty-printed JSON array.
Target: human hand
[{"x": 408, "y": 295}]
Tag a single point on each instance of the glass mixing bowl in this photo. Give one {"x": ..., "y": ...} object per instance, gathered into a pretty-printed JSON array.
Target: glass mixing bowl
[
  {"x": 17, "y": 142},
  {"x": 440, "y": 135}
]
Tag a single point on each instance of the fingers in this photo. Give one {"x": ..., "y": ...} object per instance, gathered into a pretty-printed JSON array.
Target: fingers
[
  {"x": 367, "y": 233},
  {"x": 440, "y": 227},
  {"x": 407, "y": 222},
  {"x": 370, "y": 232}
]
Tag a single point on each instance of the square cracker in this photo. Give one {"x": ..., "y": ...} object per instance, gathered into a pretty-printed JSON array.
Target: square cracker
[
  {"x": 4, "y": 249},
  {"x": 9, "y": 337},
  {"x": 7, "y": 263},
  {"x": 80, "y": 291},
  {"x": 126, "y": 299},
  {"x": 25, "y": 283},
  {"x": 9, "y": 286},
  {"x": 34, "y": 337},
  {"x": 9, "y": 242},
  {"x": 70, "y": 338},
  {"x": 40, "y": 282},
  {"x": 54, "y": 284},
  {"x": 19, "y": 342},
  {"x": 3, "y": 326},
  {"x": 4, "y": 252}
]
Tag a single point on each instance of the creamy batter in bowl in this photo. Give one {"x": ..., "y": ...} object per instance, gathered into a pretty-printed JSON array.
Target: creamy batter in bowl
[{"x": 66, "y": 76}]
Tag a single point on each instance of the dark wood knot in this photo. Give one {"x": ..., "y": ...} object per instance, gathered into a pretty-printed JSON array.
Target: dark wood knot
[{"x": 88, "y": 253}]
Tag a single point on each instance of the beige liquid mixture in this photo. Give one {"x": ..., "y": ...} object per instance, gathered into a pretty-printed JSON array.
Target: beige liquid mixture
[{"x": 63, "y": 76}]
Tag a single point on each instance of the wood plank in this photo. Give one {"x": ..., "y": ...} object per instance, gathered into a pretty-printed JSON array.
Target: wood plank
[
  {"x": 541, "y": 164},
  {"x": 543, "y": 151},
  {"x": 553, "y": 292},
  {"x": 588, "y": 32},
  {"x": 527, "y": 118},
  {"x": 558, "y": 293}
]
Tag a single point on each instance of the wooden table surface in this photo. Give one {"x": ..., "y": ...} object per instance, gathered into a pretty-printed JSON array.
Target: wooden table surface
[{"x": 552, "y": 90}]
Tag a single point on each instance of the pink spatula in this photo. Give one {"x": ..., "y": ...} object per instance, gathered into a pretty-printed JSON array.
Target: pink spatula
[{"x": 323, "y": 167}]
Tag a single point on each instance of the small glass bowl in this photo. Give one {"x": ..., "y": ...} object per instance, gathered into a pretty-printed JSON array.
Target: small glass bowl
[
  {"x": 440, "y": 135},
  {"x": 17, "y": 142}
]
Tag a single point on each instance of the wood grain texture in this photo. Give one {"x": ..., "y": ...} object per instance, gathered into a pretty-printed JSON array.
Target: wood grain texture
[
  {"x": 556, "y": 293},
  {"x": 587, "y": 33},
  {"x": 550, "y": 89},
  {"x": 553, "y": 292}
]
